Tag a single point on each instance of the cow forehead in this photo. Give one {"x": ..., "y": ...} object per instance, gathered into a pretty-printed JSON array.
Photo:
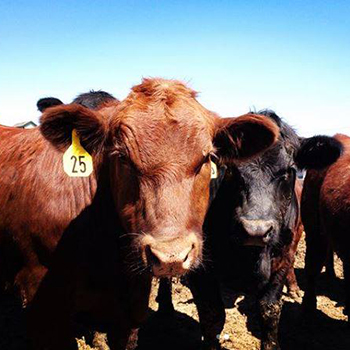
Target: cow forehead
[
  {"x": 162, "y": 123},
  {"x": 268, "y": 164},
  {"x": 154, "y": 142}
]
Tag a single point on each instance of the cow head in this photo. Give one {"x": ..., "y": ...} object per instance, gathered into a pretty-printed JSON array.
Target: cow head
[
  {"x": 261, "y": 192},
  {"x": 161, "y": 142}
]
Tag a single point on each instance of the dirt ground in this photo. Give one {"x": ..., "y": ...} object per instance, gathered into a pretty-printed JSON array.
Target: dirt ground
[{"x": 328, "y": 330}]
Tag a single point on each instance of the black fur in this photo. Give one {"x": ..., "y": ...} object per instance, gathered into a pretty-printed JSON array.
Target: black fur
[
  {"x": 47, "y": 102},
  {"x": 318, "y": 152},
  {"x": 94, "y": 99}
]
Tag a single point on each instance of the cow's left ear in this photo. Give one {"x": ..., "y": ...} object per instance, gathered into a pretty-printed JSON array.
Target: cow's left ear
[
  {"x": 244, "y": 137},
  {"x": 318, "y": 152},
  {"x": 57, "y": 124}
]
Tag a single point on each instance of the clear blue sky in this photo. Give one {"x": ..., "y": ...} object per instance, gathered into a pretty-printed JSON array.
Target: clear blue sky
[{"x": 291, "y": 56}]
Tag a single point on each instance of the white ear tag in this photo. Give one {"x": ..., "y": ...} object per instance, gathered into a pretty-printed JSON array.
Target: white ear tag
[
  {"x": 77, "y": 162},
  {"x": 214, "y": 170}
]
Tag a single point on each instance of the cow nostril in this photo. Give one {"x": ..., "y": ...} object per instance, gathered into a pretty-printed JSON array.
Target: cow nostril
[
  {"x": 188, "y": 254},
  {"x": 151, "y": 257},
  {"x": 268, "y": 232}
]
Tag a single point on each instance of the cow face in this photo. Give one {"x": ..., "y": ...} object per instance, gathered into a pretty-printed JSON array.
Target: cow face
[
  {"x": 264, "y": 205},
  {"x": 161, "y": 142},
  {"x": 262, "y": 194}
]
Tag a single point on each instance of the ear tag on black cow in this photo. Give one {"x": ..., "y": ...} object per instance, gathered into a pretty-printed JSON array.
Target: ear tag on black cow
[
  {"x": 214, "y": 170},
  {"x": 77, "y": 162}
]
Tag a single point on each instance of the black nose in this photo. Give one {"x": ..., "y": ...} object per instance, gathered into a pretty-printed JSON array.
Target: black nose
[{"x": 258, "y": 228}]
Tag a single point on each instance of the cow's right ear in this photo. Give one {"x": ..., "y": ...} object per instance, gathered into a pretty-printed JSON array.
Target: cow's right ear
[
  {"x": 244, "y": 137},
  {"x": 57, "y": 124},
  {"x": 48, "y": 102}
]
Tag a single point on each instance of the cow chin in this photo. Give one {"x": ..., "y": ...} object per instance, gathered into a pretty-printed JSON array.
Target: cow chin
[
  {"x": 255, "y": 242},
  {"x": 240, "y": 237},
  {"x": 171, "y": 257}
]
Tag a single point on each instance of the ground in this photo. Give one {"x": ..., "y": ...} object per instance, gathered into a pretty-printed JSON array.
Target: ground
[{"x": 328, "y": 330}]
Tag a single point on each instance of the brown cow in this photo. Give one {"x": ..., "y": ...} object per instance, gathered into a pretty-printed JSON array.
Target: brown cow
[
  {"x": 90, "y": 246},
  {"x": 325, "y": 214}
]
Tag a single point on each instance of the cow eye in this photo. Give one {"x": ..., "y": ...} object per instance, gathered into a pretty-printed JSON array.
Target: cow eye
[
  {"x": 286, "y": 174},
  {"x": 205, "y": 160},
  {"x": 127, "y": 163},
  {"x": 123, "y": 159}
]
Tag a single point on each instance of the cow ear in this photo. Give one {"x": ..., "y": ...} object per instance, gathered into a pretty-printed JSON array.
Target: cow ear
[
  {"x": 48, "y": 102},
  {"x": 57, "y": 124},
  {"x": 318, "y": 152},
  {"x": 244, "y": 137}
]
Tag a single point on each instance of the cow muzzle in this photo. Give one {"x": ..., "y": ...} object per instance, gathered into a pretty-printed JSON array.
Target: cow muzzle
[
  {"x": 172, "y": 257},
  {"x": 257, "y": 232}
]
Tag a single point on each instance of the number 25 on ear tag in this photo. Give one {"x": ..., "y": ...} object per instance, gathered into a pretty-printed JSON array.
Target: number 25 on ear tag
[
  {"x": 77, "y": 162},
  {"x": 214, "y": 170}
]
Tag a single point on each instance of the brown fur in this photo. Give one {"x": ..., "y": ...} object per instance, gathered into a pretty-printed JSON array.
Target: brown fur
[
  {"x": 287, "y": 257},
  {"x": 325, "y": 214}
]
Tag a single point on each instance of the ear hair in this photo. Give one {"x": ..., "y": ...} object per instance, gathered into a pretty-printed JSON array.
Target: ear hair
[
  {"x": 57, "y": 124},
  {"x": 244, "y": 137}
]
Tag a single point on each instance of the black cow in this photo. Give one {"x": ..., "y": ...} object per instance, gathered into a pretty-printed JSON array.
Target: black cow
[
  {"x": 252, "y": 230},
  {"x": 92, "y": 100}
]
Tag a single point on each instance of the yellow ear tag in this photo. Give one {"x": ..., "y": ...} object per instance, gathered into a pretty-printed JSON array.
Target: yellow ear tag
[
  {"x": 77, "y": 162},
  {"x": 214, "y": 170}
]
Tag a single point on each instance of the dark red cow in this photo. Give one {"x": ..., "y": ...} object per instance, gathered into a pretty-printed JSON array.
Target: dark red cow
[
  {"x": 325, "y": 212},
  {"x": 90, "y": 246}
]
